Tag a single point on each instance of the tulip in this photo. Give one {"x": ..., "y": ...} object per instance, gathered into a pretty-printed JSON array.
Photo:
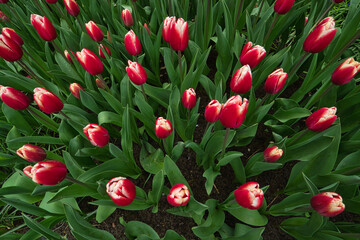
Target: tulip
[
  {"x": 327, "y": 204},
  {"x": 101, "y": 54},
  {"x": 252, "y": 55},
  {"x": 179, "y": 195},
  {"x": 136, "y": 73},
  {"x": 345, "y": 72},
  {"x": 283, "y": 6},
  {"x": 337, "y": 1},
  {"x": 100, "y": 84},
  {"x": 10, "y": 33},
  {"x": 147, "y": 29},
  {"x": 127, "y": 18},
  {"x": 179, "y": 35},
  {"x": 212, "y": 111},
  {"x": 90, "y": 62},
  {"x": 121, "y": 190},
  {"x": 72, "y": 7},
  {"x": 321, "y": 119},
  {"x": 272, "y": 154},
  {"x": 97, "y": 135},
  {"x": 167, "y": 25},
  {"x": 9, "y": 50},
  {"x": 275, "y": 81},
  {"x": 51, "y": 1},
  {"x": 75, "y": 89},
  {"x": 163, "y": 128},
  {"x": 3, "y": 17},
  {"x": 68, "y": 57},
  {"x": 31, "y": 153},
  {"x": 242, "y": 80},
  {"x": 47, "y": 101},
  {"x": 306, "y": 19},
  {"x": 234, "y": 111},
  {"x": 249, "y": 195},
  {"x": 44, "y": 27},
  {"x": 4, "y": 1},
  {"x": 14, "y": 98},
  {"x": 189, "y": 98},
  {"x": 94, "y": 31},
  {"x": 132, "y": 43},
  {"x": 49, "y": 172},
  {"x": 321, "y": 36}
]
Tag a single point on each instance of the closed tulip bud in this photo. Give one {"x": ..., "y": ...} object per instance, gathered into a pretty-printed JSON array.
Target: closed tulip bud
[
  {"x": 272, "y": 154},
  {"x": 127, "y": 18},
  {"x": 94, "y": 31},
  {"x": 3, "y": 17},
  {"x": 44, "y": 27},
  {"x": 51, "y": 1},
  {"x": 179, "y": 195},
  {"x": 163, "y": 128},
  {"x": 233, "y": 112},
  {"x": 275, "y": 81},
  {"x": 136, "y": 73},
  {"x": 345, "y": 72},
  {"x": 249, "y": 195},
  {"x": 9, "y": 50},
  {"x": 100, "y": 84},
  {"x": 97, "y": 135},
  {"x": 189, "y": 98},
  {"x": 147, "y": 29},
  {"x": 242, "y": 80},
  {"x": 321, "y": 36},
  {"x": 68, "y": 57},
  {"x": 90, "y": 62},
  {"x": 306, "y": 19},
  {"x": 121, "y": 190},
  {"x": 72, "y": 7},
  {"x": 252, "y": 55},
  {"x": 31, "y": 153},
  {"x": 212, "y": 111},
  {"x": 75, "y": 89},
  {"x": 321, "y": 119},
  {"x": 4, "y": 1},
  {"x": 14, "y": 98},
  {"x": 47, "y": 101},
  {"x": 327, "y": 204},
  {"x": 47, "y": 173},
  {"x": 10, "y": 33},
  {"x": 132, "y": 43},
  {"x": 167, "y": 25},
  {"x": 338, "y": 1},
  {"x": 283, "y": 6},
  {"x": 179, "y": 35},
  {"x": 101, "y": 53}
]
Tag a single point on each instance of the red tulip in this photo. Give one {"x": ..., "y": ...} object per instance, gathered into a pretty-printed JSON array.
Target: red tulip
[
  {"x": 345, "y": 72},
  {"x": 212, "y": 111},
  {"x": 49, "y": 172},
  {"x": 51, "y": 1},
  {"x": 127, "y": 18},
  {"x": 97, "y": 135},
  {"x": 306, "y": 19},
  {"x": 234, "y": 111},
  {"x": 121, "y": 190},
  {"x": 90, "y": 62},
  {"x": 72, "y": 7},
  {"x": 3, "y": 17},
  {"x": 283, "y": 6},
  {"x": 163, "y": 128},
  {"x": 94, "y": 31},
  {"x": 47, "y": 101},
  {"x": 75, "y": 89},
  {"x": 327, "y": 204},
  {"x": 252, "y": 55},
  {"x": 167, "y": 25},
  {"x": 136, "y": 73},
  {"x": 101, "y": 54},
  {"x": 249, "y": 195},
  {"x": 10, "y": 33},
  {"x": 147, "y": 29},
  {"x": 179, "y": 195},
  {"x": 321, "y": 36},
  {"x": 321, "y": 119},
  {"x": 272, "y": 154},
  {"x": 189, "y": 98},
  {"x": 337, "y": 1},
  {"x": 275, "y": 81},
  {"x": 44, "y": 27},
  {"x": 100, "y": 84},
  {"x": 132, "y": 43},
  {"x": 14, "y": 98},
  {"x": 31, "y": 153},
  {"x": 242, "y": 80},
  {"x": 68, "y": 57},
  {"x": 179, "y": 35},
  {"x": 4, "y": 1},
  {"x": 9, "y": 50}
]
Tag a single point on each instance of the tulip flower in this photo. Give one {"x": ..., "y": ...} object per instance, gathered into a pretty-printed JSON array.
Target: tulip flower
[
  {"x": 101, "y": 53},
  {"x": 163, "y": 128},
  {"x": 100, "y": 84},
  {"x": 44, "y": 27},
  {"x": 94, "y": 31},
  {"x": 68, "y": 57},
  {"x": 327, "y": 204},
  {"x": 75, "y": 89},
  {"x": 275, "y": 81},
  {"x": 4, "y": 1},
  {"x": 337, "y": 1},
  {"x": 47, "y": 101},
  {"x": 51, "y": 1},
  {"x": 249, "y": 195},
  {"x": 345, "y": 72},
  {"x": 189, "y": 98},
  {"x": 179, "y": 35},
  {"x": 72, "y": 7},
  {"x": 234, "y": 111},
  {"x": 10, "y": 33},
  {"x": 321, "y": 119},
  {"x": 252, "y": 55},
  {"x": 90, "y": 62},
  {"x": 321, "y": 36},
  {"x": 14, "y": 98},
  {"x": 3, "y": 17},
  {"x": 121, "y": 190},
  {"x": 31, "y": 153},
  {"x": 306, "y": 19},
  {"x": 132, "y": 43},
  {"x": 212, "y": 111},
  {"x": 167, "y": 25},
  {"x": 136, "y": 73},
  {"x": 272, "y": 154},
  {"x": 242, "y": 80},
  {"x": 9, "y": 50},
  {"x": 147, "y": 29},
  {"x": 127, "y": 17},
  {"x": 49, "y": 172},
  {"x": 283, "y": 6},
  {"x": 97, "y": 135},
  {"x": 179, "y": 195}
]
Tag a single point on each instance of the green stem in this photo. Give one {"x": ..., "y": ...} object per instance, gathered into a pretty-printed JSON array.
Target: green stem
[
  {"x": 180, "y": 66},
  {"x": 321, "y": 17},
  {"x": 35, "y": 115},
  {"x": 64, "y": 17},
  {"x": 170, "y": 10},
  {"x": 45, "y": 71},
  {"x": 298, "y": 64},
  {"x": 271, "y": 28},
  {"x": 165, "y": 145},
  {"x": 259, "y": 12},
  {"x": 66, "y": 116},
  {"x": 30, "y": 72},
  {"x": 225, "y": 140},
  {"x": 143, "y": 92},
  {"x": 39, "y": 6},
  {"x": 70, "y": 179},
  {"x": 207, "y": 24},
  {"x": 291, "y": 142},
  {"x": 237, "y": 19},
  {"x": 103, "y": 81}
]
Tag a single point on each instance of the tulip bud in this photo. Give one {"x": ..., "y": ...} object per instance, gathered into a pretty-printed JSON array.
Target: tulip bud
[
  {"x": 132, "y": 43},
  {"x": 167, "y": 25},
  {"x": 233, "y": 112},
  {"x": 9, "y": 50},
  {"x": 72, "y": 7},
  {"x": 321, "y": 119},
  {"x": 212, "y": 111},
  {"x": 189, "y": 98},
  {"x": 101, "y": 54},
  {"x": 249, "y": 195},
  {"x": 75, "y": 89},
  {"x": 44, "y": 27},
  {"x": 14, "y": 98},
  {"x": 327, "y": 204},
  {"x": 31, "y": 153},
  {"x": 337, "y": 1},
  {"x": 97, "y": 135},
  {"x": 283, "y": 6},
  {"x": 163, "y": 128},
  {"x": 51, "y": 1},
  {"x": 121, "y": 190},
  {"x": 321, "y": 36},
  {"x": 10, "y": 33},
  {"x": 4, "y": 1},
  {"x": 47, "y": 173},
  {"x": 147, "y": 29},
  {"x": 179, "y": 35},
  {"x": 272, "y": 154},
  {"x": 179, "y": 195},
  {"x": 68, "y": 57},
  {"x": 3, "y": 17},
  {"x": 345, "y": 72},
  {"x": 94, "y": 31},
  {"x": 306, "y": 19},
  {"x": 242, "y": 80},
  {"x": 127, "y": 18},
  {"x": 275, "y": 81},
  {"x": 252, "y": 55},
  {"x": 90, "y": 62},
  {"x": 47, "y": 101},
  {"x": 136, "y": 73},
  {"x": 100, "y": 84}
]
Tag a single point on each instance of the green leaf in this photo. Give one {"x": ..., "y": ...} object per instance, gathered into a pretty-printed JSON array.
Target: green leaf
[
  {"x": 136, "y": 205},
  {"x": 103, "y": 212},
  {"x": 72, "y": 191},
  {"x": 38, "y": 227},
  {"x": 71, "y": 164},
  {"x": 27, "y": 207},
  {"x": 136, "y": 229},
  {"x": 16, "y": 118},
  {"x": 173, "y": 173},
  {"x": 37, "y": 139},
  {"x": 311, "y": 186},
  {"x": 109, "y": 117}
]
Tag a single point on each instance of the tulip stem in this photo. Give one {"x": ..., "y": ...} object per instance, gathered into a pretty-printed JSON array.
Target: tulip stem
[
  {"x": 298, "y": 64},
  {"x": 35, "y": 115},
  {"x": 207, "y": 127},
  {"x": 207, "y": 24},
  {"x": 188, "y": 115},
  {"x": 30, "y": 72},
  {"x": 225, "y": 140},
  {"x": 170, "y": 10},
  {"x": 63, "y": 16},
  {"x": 103, "y": 81},
  {"x": 263, "y": 100},
  {"x": 291, "y": 142},
  {"x": 180, "y": 66},
  {"x": 259, "y": 12},
  {"x": 143, "y": 92},
  {"x": 165, "y": 145},
  {"x": 82, "y": 25},
  {"x": 70, "y": 179},
  {"x": 237, "y": 19},
  {"x": 66, "y": 116},
  {"x": 320, "y": 18},
  {"x": 42, "y": 68},
  {"x": 39, "y": 6},
  {"x": 321, "y": 95},
  {"x": 271, "y": 28}
]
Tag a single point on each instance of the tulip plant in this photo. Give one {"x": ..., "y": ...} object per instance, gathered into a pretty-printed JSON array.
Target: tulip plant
[{"x": 234, "y": 119}]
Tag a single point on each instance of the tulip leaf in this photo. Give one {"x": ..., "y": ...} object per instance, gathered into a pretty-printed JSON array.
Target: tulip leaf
[
  {"x": 173, "y": 173},
  {"x": 251, "y": 217},
  {"x": 136, "y": 205},
  {"x": 27, "y": 207},
  {"x": 103, "y": 212},
  {"x": 38, "y": 227},
  {"x": 172, "y": 235},
  {"x": 213, "y": 147},
  {"x": 137, "y": 230},
  {"x": 73, "y": 166},
  {"x": 37, "y": 139},
  {"x": 72, "y": 191},
  {"x": 311, "y": 186},
  {"x": 16, "y": 118},
  {"x": 109, "y": 117},
  {"x": 294, "y": 113}
]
